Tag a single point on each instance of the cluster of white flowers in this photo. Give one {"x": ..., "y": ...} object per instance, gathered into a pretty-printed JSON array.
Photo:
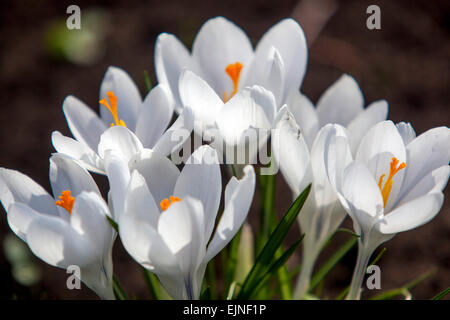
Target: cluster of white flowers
[{"x": 379, "y": 173}]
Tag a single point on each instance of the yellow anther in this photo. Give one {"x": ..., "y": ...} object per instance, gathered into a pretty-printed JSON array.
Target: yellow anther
[
  {"x": 66, "y": 201},
  {"x": 233, "y": 70},
  {"x": 166, "y": 203},
  {"x": 386, "y": 189},
  {"x": 112, "y": 108}
]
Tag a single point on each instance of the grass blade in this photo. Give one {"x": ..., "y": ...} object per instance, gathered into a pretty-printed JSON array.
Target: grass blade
[
  {"x": 441, "y": 294},
  {"x": 265, "y": 258}
]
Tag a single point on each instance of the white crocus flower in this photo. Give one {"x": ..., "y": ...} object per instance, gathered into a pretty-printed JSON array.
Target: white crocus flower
[
  {"x": 70, "y": 231},
  {"x": 394, "y": 184},
  {"x": 300, "y": 166},
  {"x": 121, "y": 105},
  {"x": 169, "y": 216},
  {"x": 342, "y": 103},
  {"x": 223, "y": 56}
]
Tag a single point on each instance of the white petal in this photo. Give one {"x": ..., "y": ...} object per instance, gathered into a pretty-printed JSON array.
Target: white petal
[
  {"x": 288, "y": 39},
  {"x": 54, "y": 241},
  {"x": 129, "y": 99},
  {"x": 179, "y": 132},
  {"x": 305, "y": 115},
  {"x": 250, "y": 108},
  {"x": 219, "y": 43},
  {"x": 434, "y": 181},
  {"x": 412, "y": 214},
  {"x": 374, "y": 113},
  {"x": 337, "y": 157},
  {"x": 19, "y": 218},
  {"x": 154, "y": 117},
  {"x": 201, "y": 179},
  {"x": 121, "y": 140},
  {"x": 140, "y": 201},
  {"x": 363, "y": 195},
  {"x": 291, "y": 152},
  {"x": 17, "y": 187},
  {"x": 427, "y": 152},
  {"x": 238, "y": 199},
  {"x": 159, "y": 172},
  {"x": 341, "y": 102},
  {"x": 201, "y": 98},
  {"x": 84, "y": 123},
  {"x": 406, "y": 131},
  {"x": 171, "y": 57},
  {"x": 118, "y": 175},
  {"x": 66, "y": 174},
  {"x": 79, "y": 151}
]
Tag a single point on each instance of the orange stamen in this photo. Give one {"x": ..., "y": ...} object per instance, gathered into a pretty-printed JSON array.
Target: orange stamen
[
  {"x": 166, "y": 203},
  {"x": 386, "y": 189},
  {"x": 233, "y": 70},
  {"x": 112, "y": 108},
  {"x": 66, "y": 201}
]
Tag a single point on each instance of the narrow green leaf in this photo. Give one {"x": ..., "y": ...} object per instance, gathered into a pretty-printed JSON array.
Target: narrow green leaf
[
  {"x": 153, "y": 284},
  {"x": 118, "y": 291},
  {"x": 148, "y": 82},
  {"x": 211, "y": 269},
  {"x": 441, "y": 294},
  {"x": 327, "y": 266},
  {"x": 403, "y": 290},
  {"x": 206, "y": 294},
  {"x": 232, "y": 259},
  {"x": 113, "y": 223},
  {"x": 348, "y": 231},
  {"x": 265, "y": 258},
  {"x": 378, "y": 257}
]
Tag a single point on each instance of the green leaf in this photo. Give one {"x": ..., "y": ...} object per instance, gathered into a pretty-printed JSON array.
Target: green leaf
[
  {"x": 441, "y": 294},
  {"x": 278, "y": 263},
  {"x": 148, "y": 82},
  {"x": 206, "y": 294},
  {"x": 327, "y": 266},
  {"x": 113, "y": 223},
  {"x": 232, "y": 259},
  {"x": 404, "y": 290},
  {"x": 118, "y": 291},
  {"x": 153, "y": 285},
  {"x": 265, "y": 258},
  {"x": 211, "y": 270}
]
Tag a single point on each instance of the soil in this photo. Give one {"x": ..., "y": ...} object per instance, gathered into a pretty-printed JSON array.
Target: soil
[{"x": 406, "y": 63}]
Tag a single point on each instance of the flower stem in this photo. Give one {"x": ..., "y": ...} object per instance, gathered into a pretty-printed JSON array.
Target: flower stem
[{"x": 364, "y": 254}]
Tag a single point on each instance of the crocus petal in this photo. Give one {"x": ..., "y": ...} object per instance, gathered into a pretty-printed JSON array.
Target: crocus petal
[
  {"x": 341, "y": 102},
  {"x": 434, "y": 181},
  {"x": 406, "y": 131},
  {"x": 77, "y": 150},
  {"x": 363, "y": 195},
  {"x": 171, "y": 57},
  {"x": 179, "y": 132},
  {"x": 374, "y": 113},
  {"x": 412, "y": 214},
  {"x": 129, "y": 99},
  {"x": 83, "y": 122},
  {"x": 121, "y": 140},
  {"x": 291, "y": 152},
  {"x": 58, "y": 244},
  {"x": 427, "y": 152},
  {"x": 66, "y": 174},
  {"x": 17, "y": 187},
  {"x": 250, "y": 108},
  {"x": 20, "y": 217},
  {"x": 305, "y": 115},
  {"x": 159, "y": 172},
  {"x": 201, "y": 179},
  {"x": 288, "y": 39},
  {"x": 154, "y": 116},
  {"x": 201, "y": 98},
  {"x": 88, "y": 217},
  {"x": 118, "y": 175},
  {"x": 238, "y": 199},
  {"x": 219, "y": 43}
]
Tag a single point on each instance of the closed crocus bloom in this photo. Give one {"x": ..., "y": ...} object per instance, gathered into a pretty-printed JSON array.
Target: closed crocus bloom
[
  {"x": 342, "y": 103},
  {"x": 167, "y": 217},
  {"x": 300, "y": 166},
  {"x": 223, "y": 56},
  {"x": 69, "y": 229},
  {"x": 394, "y": 184},
  {"x": 121, "y": 105}
]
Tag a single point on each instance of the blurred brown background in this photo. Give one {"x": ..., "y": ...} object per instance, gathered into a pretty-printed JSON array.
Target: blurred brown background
[{"x": 406, "y": 63}]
